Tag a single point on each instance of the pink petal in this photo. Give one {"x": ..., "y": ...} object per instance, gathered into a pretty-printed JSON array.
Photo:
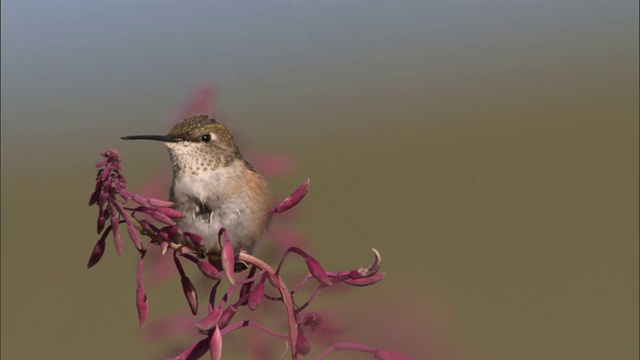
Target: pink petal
[
  {"x": 164, "y": 246},
  {"x": 226, "y": 255},
  {"x": 209, "y": 270},
  {"x": 159, "y": 203},
  {"x": 215, "y": 344},
  {"x": 172, "y": 213},
  {"x": 367, "y": 280},
  {"x": 226, "y": 316},
  {"x": 210, "y": 320},
  {"x": 295, "y": 197},
  {"x": 195, "y": 351},
  {"x": 257, "y": 294},
  {"x": 317, "y": 270},
  {"x": 141, "y": 296},
  {"x": 161, "y": 217},
  {"x": 196, "y": 239},
  {"x": 369, "y": 270},
  {"x": 133, "y": 234},
  {"x": 98, "y": 251},
  {"x": 140, "y": 200},
  {"x": 190, "y": 293}
]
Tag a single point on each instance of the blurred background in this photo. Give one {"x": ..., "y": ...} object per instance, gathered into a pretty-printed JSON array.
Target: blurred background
[{"x": 488, "y": 150}]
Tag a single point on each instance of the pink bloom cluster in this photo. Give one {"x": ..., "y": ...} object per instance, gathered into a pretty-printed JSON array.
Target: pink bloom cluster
[{"x": 253, "y": 290}]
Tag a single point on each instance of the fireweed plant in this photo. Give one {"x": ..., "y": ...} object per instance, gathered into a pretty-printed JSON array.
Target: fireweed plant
[{"x": 154, "y": 221}]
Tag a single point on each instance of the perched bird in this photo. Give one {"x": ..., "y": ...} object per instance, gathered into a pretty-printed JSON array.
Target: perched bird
[{"x": 213, "y": 185}]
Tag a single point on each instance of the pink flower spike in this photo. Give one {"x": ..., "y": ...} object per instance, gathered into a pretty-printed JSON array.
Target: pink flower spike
[
  {"x": 302, "y": 345},
  {"x": 367, "y": 280},
  {"x": 296, "y": 196},
  {"x": 141, "y": 296},
  {"x": 215, "y": 344},
  {"x": 210, "y": 320},
  {"x": 190, "y": 293},
  {"x": 209, "y": 270},
  {"x": 257, "y": 294},
  {"x": 226, "y": 255},
  {"x": 195, "y": 351}
]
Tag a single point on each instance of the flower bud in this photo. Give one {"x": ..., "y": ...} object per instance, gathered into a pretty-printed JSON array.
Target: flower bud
[{"x": 190, "y": 293}]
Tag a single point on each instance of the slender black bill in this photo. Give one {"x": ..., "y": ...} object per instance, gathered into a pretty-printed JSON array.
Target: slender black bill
[{"x": 164, "y": 138}]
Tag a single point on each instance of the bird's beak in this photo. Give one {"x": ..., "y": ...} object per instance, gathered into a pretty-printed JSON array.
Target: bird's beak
[{"x": 163, "y": 138}]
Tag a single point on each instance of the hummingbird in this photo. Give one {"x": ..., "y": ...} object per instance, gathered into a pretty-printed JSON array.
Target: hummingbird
[{"x": 213, "y": 185}]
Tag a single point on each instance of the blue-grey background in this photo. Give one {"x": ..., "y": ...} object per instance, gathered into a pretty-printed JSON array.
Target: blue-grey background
[{"x": 488, "y": 149}]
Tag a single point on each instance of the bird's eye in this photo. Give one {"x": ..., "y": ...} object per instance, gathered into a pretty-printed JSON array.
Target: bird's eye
[{"x": 206, "y": 138}]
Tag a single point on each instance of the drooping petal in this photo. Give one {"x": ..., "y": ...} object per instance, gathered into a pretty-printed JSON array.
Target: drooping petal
[
  {"x": 257, "y": 294},
  {"x": 159, "y": 203},
  {"x": 98, "y": 251},
  {"x": 190, "y": 293},
  {"x": 368, "y": 270},
  {"x": 226, "y": 255},
  {"x": 172, "y": 213},
  {"x": 317, "y": 270},
  {"x": 210, "y": 320},
  {"x": 133, "y": 234},
  {"x": 215, "y": 344},
  {"x": 367, "y": 280},
  {"x": 141, "y": 296},
  {"x": 296, "y": 196},
  {"x": 194, "y": 351},
  {"x": 209, "y": 270}
]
